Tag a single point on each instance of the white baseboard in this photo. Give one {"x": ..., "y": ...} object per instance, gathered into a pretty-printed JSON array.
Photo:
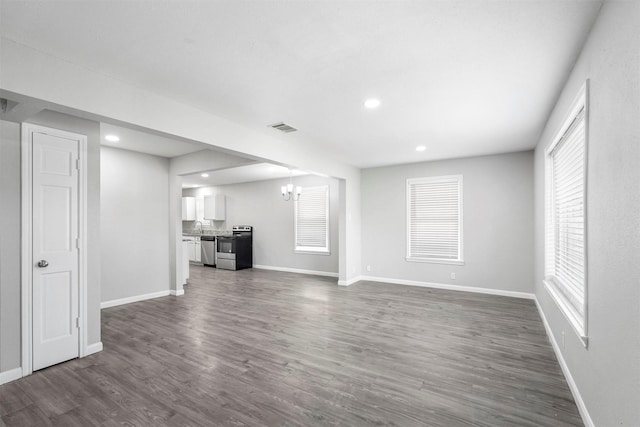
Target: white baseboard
[
  {"x": 297, "y": 270},
  {"x": 176, "y": 293},
  {"x": 350, "y": 281},
  {"x": 449, "y": 287},
  {"x": 93, "y": 348},
  {"x": 582, "y": 408},
  {"x": 16, "y": 373},
  {"x": 10, "y": 375},
  {"x": 128, "y": 300}
]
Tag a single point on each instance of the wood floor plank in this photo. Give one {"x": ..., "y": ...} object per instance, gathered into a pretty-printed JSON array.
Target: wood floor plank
[
  {"x": 12, "y": 398},
  {"x": 257, "y": 347}
]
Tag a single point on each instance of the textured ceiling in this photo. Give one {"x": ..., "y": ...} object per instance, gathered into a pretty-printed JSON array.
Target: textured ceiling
[{"x": 461, "y": 77}]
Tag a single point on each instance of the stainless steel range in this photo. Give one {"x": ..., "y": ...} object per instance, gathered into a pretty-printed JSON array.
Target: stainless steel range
[{"x": 235, "y": 252}]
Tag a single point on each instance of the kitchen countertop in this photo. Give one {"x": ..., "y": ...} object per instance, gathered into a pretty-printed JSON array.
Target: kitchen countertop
[{"x": 209, "y": 233}]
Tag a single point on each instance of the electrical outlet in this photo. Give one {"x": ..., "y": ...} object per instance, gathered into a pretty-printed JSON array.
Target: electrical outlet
[
  {"x": 368, "y": 268},
  {"x": 453, "y": 276}
]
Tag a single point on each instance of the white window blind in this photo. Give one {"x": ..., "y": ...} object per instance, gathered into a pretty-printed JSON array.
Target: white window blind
[
  {"x": 565, "y": 257},
  {"x": 434, "y": 219},
  {"x": 312, "y": 220}
]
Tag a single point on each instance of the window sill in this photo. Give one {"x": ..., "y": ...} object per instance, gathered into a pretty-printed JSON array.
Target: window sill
[
  {"x": 567, "y": 311},
  {"x": 311, "y": 252},
  {"x": 435, "y": 261}
]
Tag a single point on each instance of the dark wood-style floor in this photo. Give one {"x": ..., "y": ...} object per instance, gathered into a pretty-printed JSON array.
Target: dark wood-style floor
[{"x": 258, "y": 347}]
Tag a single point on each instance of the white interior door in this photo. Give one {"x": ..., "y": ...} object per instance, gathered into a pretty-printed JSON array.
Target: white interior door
[{"x": 55, "y": 249}]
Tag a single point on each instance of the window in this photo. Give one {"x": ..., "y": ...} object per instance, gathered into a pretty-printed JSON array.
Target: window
[
  {"x": 565, "y": 217},
  {"x": 434, "y": 219},
  {"x": 312, "y": 220}
]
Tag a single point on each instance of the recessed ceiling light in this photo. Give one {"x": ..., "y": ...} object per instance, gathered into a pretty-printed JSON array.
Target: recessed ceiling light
[
  {"x": 421, "y": 148},
  {"x": 112, "y": 138},
  {"x": 372, "y": 103},
  {"x": 204, "y": 175}
]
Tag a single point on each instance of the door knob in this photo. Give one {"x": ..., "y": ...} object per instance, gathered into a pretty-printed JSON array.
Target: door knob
[{"x": 43, "y": 263}]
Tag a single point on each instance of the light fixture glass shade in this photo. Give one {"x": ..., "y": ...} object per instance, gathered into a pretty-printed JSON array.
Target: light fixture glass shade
[{"x": 288, "y": 190}]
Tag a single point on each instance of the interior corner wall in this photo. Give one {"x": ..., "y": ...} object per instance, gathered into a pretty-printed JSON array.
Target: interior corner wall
[
  {"x": 134, "y": 224},
  {"x": 92, "y": 130},
  {"x": 260, "y": 205},
  {"x": 354, "y": 213},
  {"x": 10, "y": 244},
  {"x": 606, "y": 373},
  {"x": 497, "y": 223}
]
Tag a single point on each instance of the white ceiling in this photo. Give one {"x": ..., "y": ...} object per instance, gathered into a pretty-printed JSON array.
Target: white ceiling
[
  {"x": 248, "y": 173},
  {"x": 461, "y": 77},
  {"x": 145, "y": 142}
]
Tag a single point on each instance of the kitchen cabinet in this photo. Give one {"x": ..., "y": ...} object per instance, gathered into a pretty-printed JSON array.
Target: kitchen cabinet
[
  {"x": 185, "y": 261},
  {"x": 198, "y": 251},
  {"x": 215, "y": 207},
  {"x": 200, "y": 210},
  {"x": 188, "y": 208},
  {"x": 191, "y": 250},
  {"x": 194, "y": 248}
]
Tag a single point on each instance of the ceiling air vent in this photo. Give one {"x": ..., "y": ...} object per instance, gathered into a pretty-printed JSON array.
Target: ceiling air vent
[{"x": 283, "y": 127}]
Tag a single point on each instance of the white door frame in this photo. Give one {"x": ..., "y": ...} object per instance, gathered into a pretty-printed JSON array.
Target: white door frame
[{"x": 27, "y": 233}]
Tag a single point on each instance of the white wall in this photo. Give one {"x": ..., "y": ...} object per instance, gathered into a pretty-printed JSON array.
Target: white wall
[
  {"x": 10, "y": 225},
  {"x": 134, "y": 224},
  {"x": 260, "y": 205},
  {"x": 607, "y": 373},
  {"x": 9, "y": 246},
  {"x": 27, "y": 72},
  {"x": 497, "y": 218}
]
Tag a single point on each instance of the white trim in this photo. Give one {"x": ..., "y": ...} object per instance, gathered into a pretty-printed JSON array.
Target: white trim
[
  {"x": 10, "y": 375},
  {"x": 350, "y": 281},
  {"x": 566, "y": 309},
  {"x": 580, "y": 326},
  {"x": 176, "y": 293},
  {"x": 297, "y": 270},
  {"x": 27, "y": 255},
  {"x": 83, "y": 279},
  {"x": 136, "y": 298},
  {"x": 312, "y": 252},
  {"x": 582, "y": 408},
  {"x": 326, "y": 250},
  {"x": 500, "y": 292},
  {"x": 435, "y": 179},
  {"x": 93, "y": 348},
  {"x": 434, "y": 261},
  {"x": 580, "y": 101},
  {"x": 26, "y": 239}
]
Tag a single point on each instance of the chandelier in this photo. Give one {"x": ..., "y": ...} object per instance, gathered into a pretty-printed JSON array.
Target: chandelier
[{"x": 287, "y": 190}]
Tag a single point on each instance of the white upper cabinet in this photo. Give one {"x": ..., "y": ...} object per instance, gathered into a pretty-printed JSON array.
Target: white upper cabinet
[
  {"x": 215, "y": 207},
  {"x": 188, "y": 208}
]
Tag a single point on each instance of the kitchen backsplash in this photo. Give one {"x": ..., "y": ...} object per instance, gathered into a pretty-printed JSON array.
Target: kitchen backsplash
[{"x": 207, "y": 226}]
